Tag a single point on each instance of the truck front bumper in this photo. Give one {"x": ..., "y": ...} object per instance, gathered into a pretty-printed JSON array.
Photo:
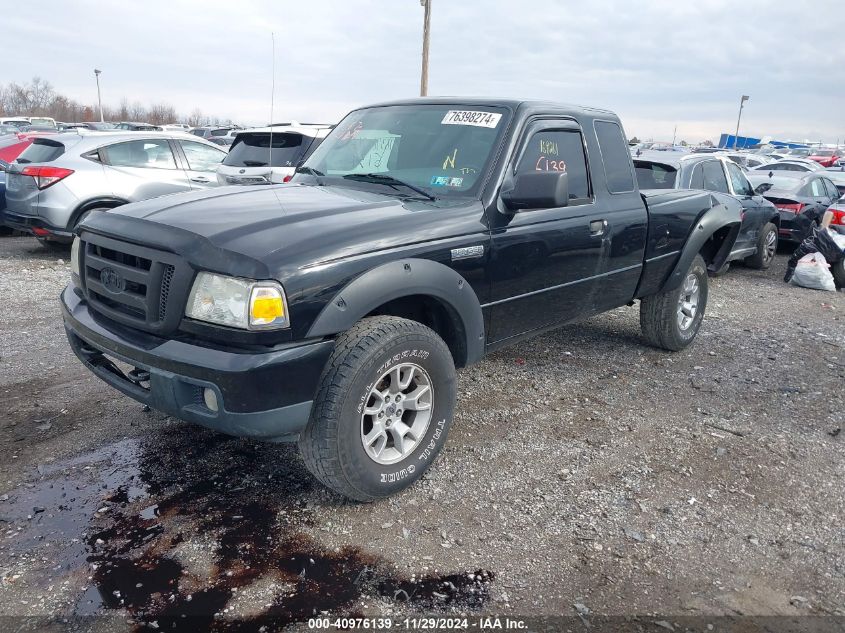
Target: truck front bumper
[{"x": 264, "y": 395}]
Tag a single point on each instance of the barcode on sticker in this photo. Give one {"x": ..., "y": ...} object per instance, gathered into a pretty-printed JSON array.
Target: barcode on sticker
[{"x": 471, "y": 117}]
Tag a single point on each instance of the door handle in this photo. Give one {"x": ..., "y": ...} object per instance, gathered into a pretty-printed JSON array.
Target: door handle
[
  {"x": 200, "y": 179},
  {"x": 598, "y": 227}
]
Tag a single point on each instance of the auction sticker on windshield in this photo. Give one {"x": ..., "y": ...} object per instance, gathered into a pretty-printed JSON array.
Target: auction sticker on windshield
[{"x": 471, "y": 117}]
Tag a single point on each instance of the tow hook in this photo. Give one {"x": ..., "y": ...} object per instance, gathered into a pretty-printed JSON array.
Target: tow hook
[{"x": 138, "y": 376}]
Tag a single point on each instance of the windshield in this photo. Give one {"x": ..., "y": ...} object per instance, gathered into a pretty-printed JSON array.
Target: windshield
[
  {"x": 442, "y": 149},
  {"x": 823, "y": 152}
]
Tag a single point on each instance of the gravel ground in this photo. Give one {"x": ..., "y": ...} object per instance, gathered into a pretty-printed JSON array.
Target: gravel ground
[{"x": 585, "y": 474}]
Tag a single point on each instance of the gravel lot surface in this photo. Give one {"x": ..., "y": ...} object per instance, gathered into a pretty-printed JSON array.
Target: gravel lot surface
[{"x": 585, "y": 473}]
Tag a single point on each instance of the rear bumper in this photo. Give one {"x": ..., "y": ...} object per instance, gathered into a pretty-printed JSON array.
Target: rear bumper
[
  {"x": 36, "y": 226},
  {"x": 794, "y": 228},
  {"x": 262, "y": 395}
]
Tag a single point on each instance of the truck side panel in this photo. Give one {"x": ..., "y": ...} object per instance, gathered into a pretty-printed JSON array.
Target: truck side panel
[{"x": 674, "y": 214}]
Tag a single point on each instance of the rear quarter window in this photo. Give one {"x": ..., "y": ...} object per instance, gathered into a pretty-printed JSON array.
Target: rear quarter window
[
  {"x": 42, "y": 150},
  {"x": 615, "y": 156}
]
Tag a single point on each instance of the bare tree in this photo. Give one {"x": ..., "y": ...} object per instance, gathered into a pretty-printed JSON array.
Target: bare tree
[
  {"x": 137, "y": 111},
  {"x": 38, "y": 97},
  {"x": 40, "y": 94},
  {"x": 123, "y": 112},
  {"x": 162, "y": 113},
  {"x": 195, "y": 118}
]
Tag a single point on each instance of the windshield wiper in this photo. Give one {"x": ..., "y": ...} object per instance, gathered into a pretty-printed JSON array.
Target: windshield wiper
[
  {"x": 390, "y": 181},
  {"x": 309, "y": 170},
  {"x": 254, "y": 163}
]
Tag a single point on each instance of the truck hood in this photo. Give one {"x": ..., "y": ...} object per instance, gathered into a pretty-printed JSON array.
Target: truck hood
[{"x": 293, "y": 224}]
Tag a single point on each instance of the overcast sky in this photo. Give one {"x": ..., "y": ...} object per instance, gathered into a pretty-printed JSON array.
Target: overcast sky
[{"x": 657, "y": 63}]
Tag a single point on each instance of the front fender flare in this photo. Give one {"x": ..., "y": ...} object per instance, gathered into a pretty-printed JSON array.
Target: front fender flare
[
  {"x": 719, "y": 216},
  {"x": 403, "y": 278}
]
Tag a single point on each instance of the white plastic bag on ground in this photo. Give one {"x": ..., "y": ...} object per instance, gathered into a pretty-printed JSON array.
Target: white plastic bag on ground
[{"x": 812, "y": 271}]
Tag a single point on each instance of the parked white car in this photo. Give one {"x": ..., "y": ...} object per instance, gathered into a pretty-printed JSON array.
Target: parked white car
[{"x": 252, "y": 161}]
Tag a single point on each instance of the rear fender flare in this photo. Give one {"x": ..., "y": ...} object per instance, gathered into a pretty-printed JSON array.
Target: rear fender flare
[
  {"x": 719, "y": 216},
  {"x": 403, "y": 278}
]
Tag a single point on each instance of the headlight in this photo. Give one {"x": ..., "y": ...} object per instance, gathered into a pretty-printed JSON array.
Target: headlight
[
  {"x": 74, "y": 257},
  {"x": 235, "y": 302}
]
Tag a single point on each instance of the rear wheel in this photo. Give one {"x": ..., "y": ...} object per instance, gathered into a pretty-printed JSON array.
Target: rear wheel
[
  {"x": 671, "y": 319},
  {"x": 767, "y": 246},
  {"x": 383, "y": 408}
]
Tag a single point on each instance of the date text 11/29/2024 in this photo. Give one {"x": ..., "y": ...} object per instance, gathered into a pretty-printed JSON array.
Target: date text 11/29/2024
[{"x": 481, "y": 623}]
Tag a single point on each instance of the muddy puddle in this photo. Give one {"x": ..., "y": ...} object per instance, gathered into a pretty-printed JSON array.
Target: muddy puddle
[{"x": 189, "y": 530}]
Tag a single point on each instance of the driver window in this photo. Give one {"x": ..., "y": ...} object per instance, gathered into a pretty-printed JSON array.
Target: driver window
[
  {"x": 740, "y": 183},
  {"x": 558, "y": 151},
  {"x": 714, "y": 177}
]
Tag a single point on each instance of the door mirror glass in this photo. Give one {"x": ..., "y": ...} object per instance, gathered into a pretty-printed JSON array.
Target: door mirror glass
[
  {"x": 537, "y": 190},
  {"x": 763, "y": 188}
]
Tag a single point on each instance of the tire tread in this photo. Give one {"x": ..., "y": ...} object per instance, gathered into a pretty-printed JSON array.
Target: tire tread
[{"x": 318, "y": 442}]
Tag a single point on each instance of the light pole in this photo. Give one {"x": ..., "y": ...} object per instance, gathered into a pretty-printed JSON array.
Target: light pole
[
  {"x": 424, "y": 73},
  {"x": 99, "y": 100},
  {"x": 741, "y": 101}
]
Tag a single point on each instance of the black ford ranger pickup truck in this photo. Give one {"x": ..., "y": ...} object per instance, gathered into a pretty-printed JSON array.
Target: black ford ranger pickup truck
[{"x": 420, "y": 235}]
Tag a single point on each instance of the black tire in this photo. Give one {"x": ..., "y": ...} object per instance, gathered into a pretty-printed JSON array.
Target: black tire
[
  {"x": 332, "y": 444},
  {"x": 659, "y": 314},
  {"x": 838, "y": 270},
  {"x": 766, "y": 248}
]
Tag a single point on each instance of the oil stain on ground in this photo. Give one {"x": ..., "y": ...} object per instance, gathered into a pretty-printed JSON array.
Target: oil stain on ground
[{"x": 190, "y": 530}]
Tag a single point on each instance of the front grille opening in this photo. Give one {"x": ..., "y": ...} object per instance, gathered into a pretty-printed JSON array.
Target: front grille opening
[
  {"x": 127, "y": 259},
  {"x": 135, "y": 313},
  {"x": 166, "y": 278}
]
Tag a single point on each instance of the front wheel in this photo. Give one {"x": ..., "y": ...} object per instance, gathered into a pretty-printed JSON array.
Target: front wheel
[
  {"x": 767, "y": 246},
  {"x": 671, "y": 319},
  {"x": 383, "y": 408}
]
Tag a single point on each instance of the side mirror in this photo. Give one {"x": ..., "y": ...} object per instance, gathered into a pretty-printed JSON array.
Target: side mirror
[
  {"x": 537, "y": 190},
  {"x": 763, "y": 188},
  {"x": 4, "y": 166}
]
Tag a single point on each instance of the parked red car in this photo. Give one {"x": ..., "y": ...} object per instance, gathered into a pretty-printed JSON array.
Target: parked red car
[
  {"x": 827, "y": 157},
  {"x": 838, "y": 210},
  {"x": 11, "y": 146}
]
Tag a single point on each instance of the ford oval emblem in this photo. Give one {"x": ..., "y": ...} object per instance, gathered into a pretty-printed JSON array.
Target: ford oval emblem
[{"x": 111, "y": 280}]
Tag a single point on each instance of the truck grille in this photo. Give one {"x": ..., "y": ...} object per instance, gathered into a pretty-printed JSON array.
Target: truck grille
[{"x": 135, "y": 285}]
